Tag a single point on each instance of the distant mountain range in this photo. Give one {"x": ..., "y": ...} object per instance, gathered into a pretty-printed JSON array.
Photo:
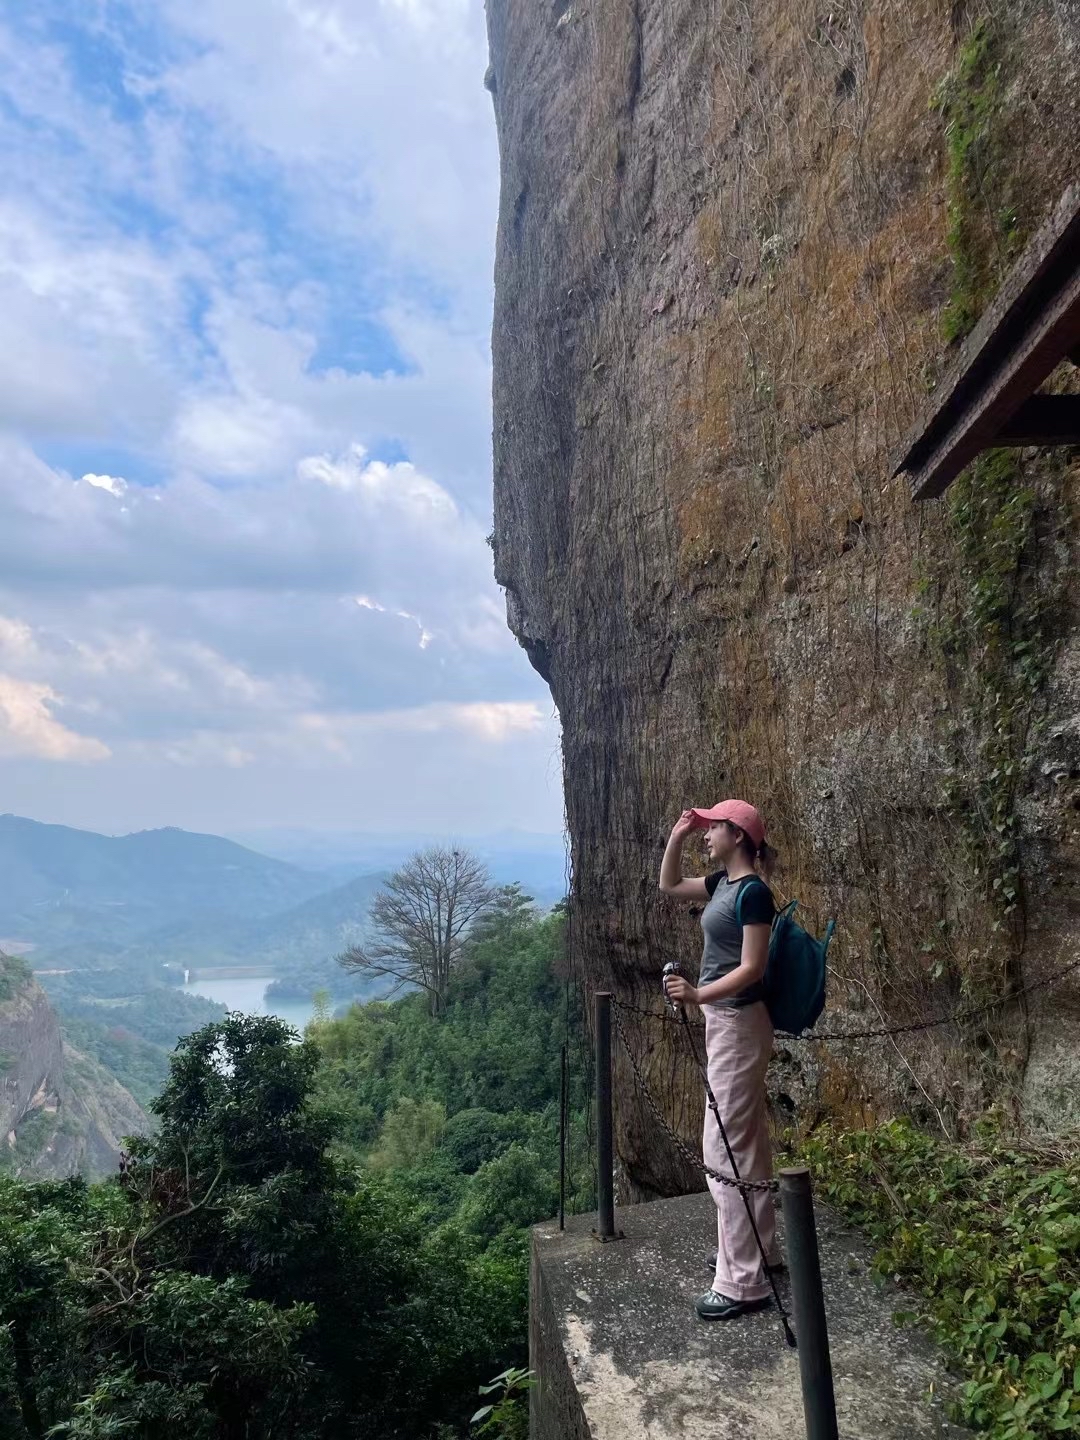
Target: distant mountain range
[
  {"x": 73, "y": 898},
  {"x": 98, "y": 918},
  {"x": 59, "y": 885}
]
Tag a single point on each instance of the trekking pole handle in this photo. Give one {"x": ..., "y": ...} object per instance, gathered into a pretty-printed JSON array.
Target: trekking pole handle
[{"x": 671, "y": 968}]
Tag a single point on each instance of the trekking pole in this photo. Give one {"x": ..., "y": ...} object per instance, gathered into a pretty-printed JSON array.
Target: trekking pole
[
  {"x": 788, "y": 1335},
  {"x": 671, "y": 968}
]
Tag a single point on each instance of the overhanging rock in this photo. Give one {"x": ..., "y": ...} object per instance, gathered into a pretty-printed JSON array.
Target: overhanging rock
[{"x": 619, "y": 1354}]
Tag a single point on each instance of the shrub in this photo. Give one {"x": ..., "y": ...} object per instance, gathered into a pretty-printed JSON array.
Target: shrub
[{"x": 991, "y": 1238}]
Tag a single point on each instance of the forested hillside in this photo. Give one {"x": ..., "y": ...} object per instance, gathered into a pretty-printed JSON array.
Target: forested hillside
[
  {"x": 111, "y": 925},
  {"x": 126, "y": 1022},
  {"x": 324, "y": 1239}
]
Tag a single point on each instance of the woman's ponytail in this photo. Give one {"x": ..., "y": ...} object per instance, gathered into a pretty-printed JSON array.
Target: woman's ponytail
[
  {"x": 763, "y": 857},
  {"x": 766, "y": 859}
]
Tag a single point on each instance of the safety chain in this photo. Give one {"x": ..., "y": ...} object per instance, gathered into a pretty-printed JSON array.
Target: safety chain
[
  {"x": 680, "y": 1144},
  {"x": 882, "y": 1031}
]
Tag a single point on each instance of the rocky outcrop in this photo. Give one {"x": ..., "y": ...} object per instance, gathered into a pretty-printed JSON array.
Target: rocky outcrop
[
  {"x": 31, "y": 1052},
  {"x": 735, "y": 237},
  {"x": 61, "y": 1113}
]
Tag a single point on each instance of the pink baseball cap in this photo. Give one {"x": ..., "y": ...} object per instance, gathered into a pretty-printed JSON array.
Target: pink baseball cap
[{"x": 739, "y": 813}]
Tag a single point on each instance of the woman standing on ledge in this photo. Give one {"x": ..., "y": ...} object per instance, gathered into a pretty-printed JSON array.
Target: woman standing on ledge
[{"x": 738, "y": 1035}]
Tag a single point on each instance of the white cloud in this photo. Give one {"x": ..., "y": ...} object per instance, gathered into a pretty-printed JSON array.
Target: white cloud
[
  {"x": 490, "y": 721},
  {"x": 95, "y": 324},
  {"x": 205, "y": 749},
  {"x": 399, "y": 487},
  {"x": 333, "y": 527},
  {"x": 237, "y": 433},
  {"x": 198, "y": 341},
  {"x": 375, "y": 110},
  {"x": 16, "y": 640},
  {"x": 427, "y": 13},
  {"x": 349, "y": 587},
  {"x": 266, "y": 407},
  {"x": 28, "y": 727},
  {"x": 111, "y": 483},
  {"x": 439, "y": 780},
  {"x": 246, "y": 266},
  {"x": 146, "y": 681}
]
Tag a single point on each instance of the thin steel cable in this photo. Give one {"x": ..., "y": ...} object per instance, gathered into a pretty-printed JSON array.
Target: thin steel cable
[{"x": 883, "y": 1031}]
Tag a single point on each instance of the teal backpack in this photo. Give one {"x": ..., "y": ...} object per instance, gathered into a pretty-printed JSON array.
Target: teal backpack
[{"x": 794, "y": 980}]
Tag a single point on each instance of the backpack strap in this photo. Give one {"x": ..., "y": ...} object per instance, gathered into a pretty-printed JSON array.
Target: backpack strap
[{"x": 738, "y": 898}]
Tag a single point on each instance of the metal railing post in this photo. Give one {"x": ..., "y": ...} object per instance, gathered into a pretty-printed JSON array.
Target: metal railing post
[
  {"x": 808, "y": 1304},
  {"x": 605, "y": 1189},
  {"x": 564, "y": 1109}
]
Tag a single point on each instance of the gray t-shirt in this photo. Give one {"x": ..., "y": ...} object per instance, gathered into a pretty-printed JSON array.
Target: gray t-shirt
[{"x": 724, "y": 934}]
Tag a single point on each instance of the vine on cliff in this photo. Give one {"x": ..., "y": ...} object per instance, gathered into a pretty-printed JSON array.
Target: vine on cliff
[
  {"x": 984, "y": 230},
  {"x": 1000, "y": 638},
  {"x": 995, "y": 642},
  {"x": 992, "y": 636}
]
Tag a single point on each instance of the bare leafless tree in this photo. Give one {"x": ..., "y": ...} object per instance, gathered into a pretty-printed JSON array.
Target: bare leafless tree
[{"x": 420, "y": 919}]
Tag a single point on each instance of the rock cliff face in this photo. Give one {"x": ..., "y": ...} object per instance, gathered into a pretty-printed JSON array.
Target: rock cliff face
[
  {"x": 60, "y": 1112},
  {"x": 31, "y": 1052},
  {"x": 737, "y": 242}
]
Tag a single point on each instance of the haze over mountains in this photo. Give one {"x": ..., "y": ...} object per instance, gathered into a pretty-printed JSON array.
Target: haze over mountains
[
  {"x": 63, "y": 886},
  {"x": 536, "y": 861},
  {"x": 173, "y": 896}
]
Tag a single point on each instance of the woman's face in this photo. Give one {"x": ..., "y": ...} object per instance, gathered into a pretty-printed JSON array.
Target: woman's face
[{"x": 721, "y": 841}]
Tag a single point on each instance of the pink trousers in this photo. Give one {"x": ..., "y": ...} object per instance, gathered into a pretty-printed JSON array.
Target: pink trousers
[{"x": 738, "y": 1044}]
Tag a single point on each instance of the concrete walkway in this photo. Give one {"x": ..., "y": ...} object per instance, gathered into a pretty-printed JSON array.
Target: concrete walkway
[{"x": 620, "y": 1354}]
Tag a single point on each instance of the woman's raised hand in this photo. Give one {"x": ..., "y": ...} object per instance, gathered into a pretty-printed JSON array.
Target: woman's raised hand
[{"x": 686, "y": 822}]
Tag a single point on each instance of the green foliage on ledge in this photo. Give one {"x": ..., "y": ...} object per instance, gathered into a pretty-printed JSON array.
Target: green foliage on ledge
[{"x": 990, "y": 1237}]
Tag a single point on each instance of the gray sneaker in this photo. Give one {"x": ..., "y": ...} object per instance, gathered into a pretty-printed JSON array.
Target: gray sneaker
[{"x": 714, "y": 1306}]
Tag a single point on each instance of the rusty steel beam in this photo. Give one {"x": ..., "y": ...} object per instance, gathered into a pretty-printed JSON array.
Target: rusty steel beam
[{"x": 1031, "y": 326}]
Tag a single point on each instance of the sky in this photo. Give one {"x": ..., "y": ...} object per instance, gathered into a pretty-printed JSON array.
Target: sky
[{"x": 246, "y": 253}]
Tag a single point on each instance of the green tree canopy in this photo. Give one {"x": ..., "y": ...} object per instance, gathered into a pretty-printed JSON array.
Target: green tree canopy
[{"x": 239, "y": 1281}]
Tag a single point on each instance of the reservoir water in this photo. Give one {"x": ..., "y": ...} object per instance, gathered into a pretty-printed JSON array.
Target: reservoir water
[{"x": 249, "y": 996}]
